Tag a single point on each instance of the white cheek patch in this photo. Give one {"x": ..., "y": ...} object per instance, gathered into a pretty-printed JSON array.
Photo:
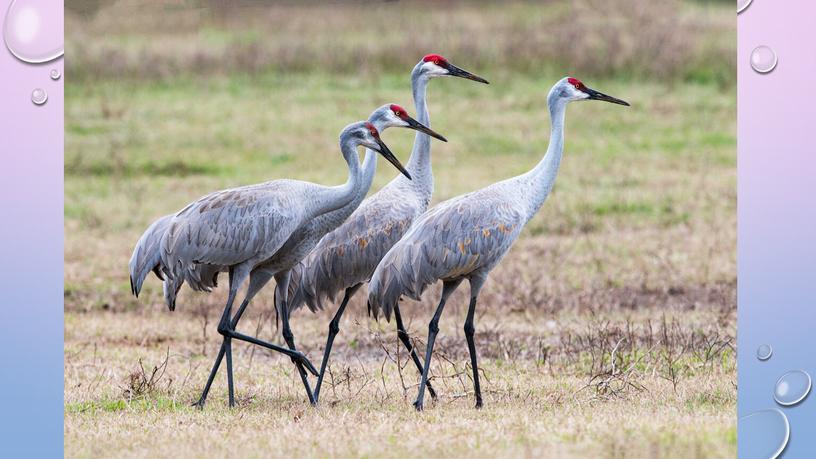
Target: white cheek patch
[{"x": 433, "y": 69}]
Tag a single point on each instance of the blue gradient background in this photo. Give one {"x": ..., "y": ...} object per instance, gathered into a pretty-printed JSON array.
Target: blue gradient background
[
  {"x": 31, "y": 257},
  {"x": 776, "y": 247}
]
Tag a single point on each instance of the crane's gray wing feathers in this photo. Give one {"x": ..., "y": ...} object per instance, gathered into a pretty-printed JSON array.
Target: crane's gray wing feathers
[
  {"x": 203, "y": 278},
  {"x": 147, "y": 254},
  {"x": 462, "y": 237},
  {"x": 348, "y": 255},
  {"x": 229, "y": 227}
]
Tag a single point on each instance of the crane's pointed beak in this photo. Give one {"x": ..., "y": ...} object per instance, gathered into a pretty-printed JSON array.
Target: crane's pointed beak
[
  {"x": 417, "y": 126},
  {"x": 457, "y": 72},
  {"x": 386, "y": 153},
  {"x": 597, "y": 95}
]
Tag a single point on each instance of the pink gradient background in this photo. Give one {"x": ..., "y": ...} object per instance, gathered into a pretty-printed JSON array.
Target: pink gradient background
[
  {"x": 777, "y": 210},
  {"x": 31, "y": 256}
]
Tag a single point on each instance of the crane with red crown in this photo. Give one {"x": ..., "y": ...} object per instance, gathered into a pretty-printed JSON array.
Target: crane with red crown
[
  {"x": 346, "y": 258},
  {"x": 466, "y": 237}
]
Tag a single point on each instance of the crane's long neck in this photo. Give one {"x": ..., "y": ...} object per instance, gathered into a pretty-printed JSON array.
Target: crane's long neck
[
  {"x": 419, "y": 164},
  {"x": 369, "y": 169},
  {"x": 338, "y": 196},
  {"x": 369, "y": 165},
  {"x": 542, "y": 177}
]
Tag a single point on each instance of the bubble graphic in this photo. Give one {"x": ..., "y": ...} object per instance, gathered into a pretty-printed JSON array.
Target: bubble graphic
[
  {"x": 742, "y": 4},
  {"x": 764, "y": 352},
  {"x": 763, "y": 59},
  {"x": 39, "y": 96},
  {"x": 55, "y": 74},
  {"x": 33, "y": 30},
  {"x": 766, "y": 434},
  {"x": 792, "y": 387}
]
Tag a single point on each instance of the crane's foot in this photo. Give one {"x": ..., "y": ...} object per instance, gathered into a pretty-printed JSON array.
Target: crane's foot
[
  {"x": 303, "y": 360},
  {"x": 199, "y": 405},
  {"x": 418, "y": 405},
  {"x": 479, "y": 404}
]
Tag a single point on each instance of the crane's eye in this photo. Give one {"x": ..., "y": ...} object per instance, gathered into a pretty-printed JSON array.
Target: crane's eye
[{"x": 577, "y": 86}]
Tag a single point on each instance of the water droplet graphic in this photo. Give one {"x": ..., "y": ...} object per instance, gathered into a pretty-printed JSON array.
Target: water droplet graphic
[
  {"x": 763, "y": 59},
  {"x": 764, "y": 352},
  {"x": 742, "y": 4},
  {"x": 55, "y": 74},
  {"x": 763, "y": 434},
  {"x": 33, "y": 30},
  {"x": 792, "y": 387},
  {"x": 39, "y": 96}
]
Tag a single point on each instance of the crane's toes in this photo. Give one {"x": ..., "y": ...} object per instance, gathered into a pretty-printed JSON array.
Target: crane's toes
[
  {"x": 418, "y": 405},
  {"x": 301, "y": 358},
  {"x": 199, "y": 404}
]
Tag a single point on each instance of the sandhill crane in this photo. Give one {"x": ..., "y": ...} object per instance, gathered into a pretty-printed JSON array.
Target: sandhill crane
[
  {"x": 243, "y": 228},
  {"x": 466, "y": 237},
  {"x": 302, "y": 242},
  {"x": 146, "y": 257},
  {"x": 346, "y": 257},
  {"x": 202, "y": 277}
]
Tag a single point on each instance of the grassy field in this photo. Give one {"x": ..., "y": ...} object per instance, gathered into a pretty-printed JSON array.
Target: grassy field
[{"x": 608, "y": 331}]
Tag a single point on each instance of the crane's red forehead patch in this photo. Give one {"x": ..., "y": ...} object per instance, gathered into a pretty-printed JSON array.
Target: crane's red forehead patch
[
  {"x": 575, "y": 82},
  {"x": 435, "y": 58},
  {"x": 399, "y": 111},
  {"x": 372, "y": 130}
]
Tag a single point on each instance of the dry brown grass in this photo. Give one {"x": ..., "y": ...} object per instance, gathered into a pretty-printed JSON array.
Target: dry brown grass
[
  {"x": 665, "y": 39},
  {"x": 552, "y": 387}
]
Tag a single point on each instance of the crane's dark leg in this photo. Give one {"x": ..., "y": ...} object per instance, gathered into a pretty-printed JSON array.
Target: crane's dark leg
[
  {"x": 203, "y": 399},
  {"x": 223, "y": 328},
  {"x": 406, "y": 341},
  {"x": 433, "y": 328},
  {"x": 334, "y": 329},
  {"x": 469, "y": 331},
  {"x": 282, "y": 292},
  {"x": 231, "y": 333}
]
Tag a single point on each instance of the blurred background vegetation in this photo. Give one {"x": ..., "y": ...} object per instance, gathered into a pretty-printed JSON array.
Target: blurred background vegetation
[
  {"x": 169, "y": 100},
  {"x": 669, "y": 40}
]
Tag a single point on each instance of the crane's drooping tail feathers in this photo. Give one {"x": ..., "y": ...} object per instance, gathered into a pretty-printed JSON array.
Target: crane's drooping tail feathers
[
  {"x": 201, "y": 277},
  {"x": 147, "y": 254},
  {"x": 317, "y": 279},
  {"x": 301, "y": 290},
  {"x": 171, "y": 288},
  {"x": 405, "y": 270}
]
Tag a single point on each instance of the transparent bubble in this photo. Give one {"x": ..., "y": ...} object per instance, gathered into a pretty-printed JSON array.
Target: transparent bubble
[
  {"x": 39, "y": 96},
  {"x": 763, "y": 59},
  {"x": 763, "y": 434},
  {"x": 764, "y": 352},
  {"x": 742, "y": 4},
  {"x": 55, "y": 74},
  {"x": 792, "y": 387},
  {"x": 33, "y": 30}
]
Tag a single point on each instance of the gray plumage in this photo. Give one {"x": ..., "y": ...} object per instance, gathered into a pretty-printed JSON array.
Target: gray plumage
[
  {"x": 462, "y": 237},
  {"x": 467, "y": 236},
  {"x": 348, "y": 255},
  {"x": 247, "y": 228},
  {"x": 146, "y": 256},
  {"x": 203, "y": 277}
]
